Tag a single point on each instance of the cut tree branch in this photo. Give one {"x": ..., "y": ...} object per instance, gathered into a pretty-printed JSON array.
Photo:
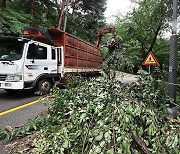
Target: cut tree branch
[
  {"x": 140, "y": 143},
  {"x": 172, "y": 120}
]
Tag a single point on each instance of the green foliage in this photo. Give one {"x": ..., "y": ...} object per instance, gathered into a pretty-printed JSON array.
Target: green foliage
[
  {"x": 45, "y": 13},
  {"x": 73, "y": 82},
  {"x": 2, "y": 135},
  {"x": 86, "y": 19},
  {"x": 12, "y": 22},
  {"x": 118, "y": 60},
  {"x": 143, "y": 30},
  {"x": 16, "y": 16},
  {"x": 152, "y": 92},
  {"x": 99, "y": 115},
  {"x": 33, "y": 125}
]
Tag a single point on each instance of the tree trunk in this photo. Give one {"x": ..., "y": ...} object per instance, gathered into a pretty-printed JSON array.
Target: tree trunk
[
  {"x": 32, "y": 8},
  {"x": 65, "y": 21},
  {"x": 61, "y": 12},
  {"x": 3, "y": 4},
  {"x": 155, "y": 37}
]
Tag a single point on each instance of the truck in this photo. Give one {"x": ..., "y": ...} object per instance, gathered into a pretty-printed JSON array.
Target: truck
[{"x": 44, "y": 57}]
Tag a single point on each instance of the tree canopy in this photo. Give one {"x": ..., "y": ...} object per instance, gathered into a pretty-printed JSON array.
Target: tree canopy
[
  {"x": 144, "y": 29},
  {"x": 85, "y": 20}
]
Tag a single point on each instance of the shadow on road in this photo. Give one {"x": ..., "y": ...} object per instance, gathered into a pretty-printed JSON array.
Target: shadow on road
[
  {"x": 16, "y": 95},
  {"x": 11, "y": 100}
]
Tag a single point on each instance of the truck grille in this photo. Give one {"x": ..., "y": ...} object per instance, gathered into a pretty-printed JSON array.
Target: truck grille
[{"x": 3, "y": 77}]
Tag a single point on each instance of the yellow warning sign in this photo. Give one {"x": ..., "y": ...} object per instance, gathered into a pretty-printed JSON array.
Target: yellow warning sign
[{"x": 150, "y": 59}]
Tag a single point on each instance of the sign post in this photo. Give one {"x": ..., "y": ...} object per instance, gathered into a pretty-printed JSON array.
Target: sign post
[
  {"x": 150, "y": 60},
  {"x": 149, "y": 69}
]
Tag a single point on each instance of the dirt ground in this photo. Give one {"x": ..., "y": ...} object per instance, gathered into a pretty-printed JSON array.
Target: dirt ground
[{"x": 19, "y": 145}]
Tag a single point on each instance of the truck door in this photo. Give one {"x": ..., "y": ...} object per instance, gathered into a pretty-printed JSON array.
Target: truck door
[
  {"x": 60, "y": 53},
  {"x": 40, "y": 60}
]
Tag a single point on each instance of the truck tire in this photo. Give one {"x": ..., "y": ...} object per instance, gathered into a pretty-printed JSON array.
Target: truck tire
[{"x": 44, "y": 86}]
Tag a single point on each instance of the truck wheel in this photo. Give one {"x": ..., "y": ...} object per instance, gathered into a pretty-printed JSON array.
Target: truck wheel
[{"x": 44, "y": 86}]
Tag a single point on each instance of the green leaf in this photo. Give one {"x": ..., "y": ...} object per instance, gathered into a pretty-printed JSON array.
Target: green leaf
[
  {"x": 82, "y": 117},
  {"x": 97, "y": 149},
  {"x": 111, "y": 151},
  {"x": 65, "y": 144},
  {"x": 99, "y": 137}
]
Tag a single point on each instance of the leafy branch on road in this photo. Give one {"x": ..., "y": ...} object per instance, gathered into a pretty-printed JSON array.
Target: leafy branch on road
[
  {"x": 105, "y": 116},
  {"x": 10, "y": 134},
  {"x": 99, "y": 115}
]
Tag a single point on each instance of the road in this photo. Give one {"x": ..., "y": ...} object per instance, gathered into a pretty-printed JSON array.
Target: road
[
  {"x": 8, "y": 101},
  {"x": 125, "y": 77},
  {"x": 17, "y": 109}
]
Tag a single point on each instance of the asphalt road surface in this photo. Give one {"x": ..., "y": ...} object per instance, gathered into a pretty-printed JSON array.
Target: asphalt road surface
[
  {"x": 16, "y": 109},
  {"x": 125, "y": 77},
  {"x": 9, "y": 101}
]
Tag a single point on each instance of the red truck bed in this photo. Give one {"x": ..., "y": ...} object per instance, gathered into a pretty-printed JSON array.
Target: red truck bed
[{"x": 77, "y": 53}]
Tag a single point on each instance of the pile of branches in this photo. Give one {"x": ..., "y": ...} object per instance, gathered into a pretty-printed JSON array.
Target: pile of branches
[{"x": 106, "y": 116}]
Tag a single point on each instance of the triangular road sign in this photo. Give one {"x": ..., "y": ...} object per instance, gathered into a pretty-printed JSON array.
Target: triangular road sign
[{"x": 150, "y": 59}]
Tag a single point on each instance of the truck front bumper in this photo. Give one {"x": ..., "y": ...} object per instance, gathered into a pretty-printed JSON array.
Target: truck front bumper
[{"x": 11, "y": 85}]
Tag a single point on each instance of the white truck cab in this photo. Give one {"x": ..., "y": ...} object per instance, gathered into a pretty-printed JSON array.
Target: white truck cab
[{"x": 27, "y": 64}]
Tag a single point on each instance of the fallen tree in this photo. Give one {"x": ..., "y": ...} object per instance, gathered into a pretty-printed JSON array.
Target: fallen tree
[{"x": 105, "y": 116}]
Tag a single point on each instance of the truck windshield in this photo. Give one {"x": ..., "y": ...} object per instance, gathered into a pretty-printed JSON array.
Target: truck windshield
[{"x": 11, "y": 50}]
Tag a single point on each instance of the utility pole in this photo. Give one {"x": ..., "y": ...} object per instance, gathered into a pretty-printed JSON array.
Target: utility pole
[
  {"x": 66, "y": 15},
  {"x": 173, "y": 55}
]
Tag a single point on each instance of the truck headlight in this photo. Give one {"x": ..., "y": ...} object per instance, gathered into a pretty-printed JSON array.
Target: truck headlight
[{"x": 13, "y": 77}]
